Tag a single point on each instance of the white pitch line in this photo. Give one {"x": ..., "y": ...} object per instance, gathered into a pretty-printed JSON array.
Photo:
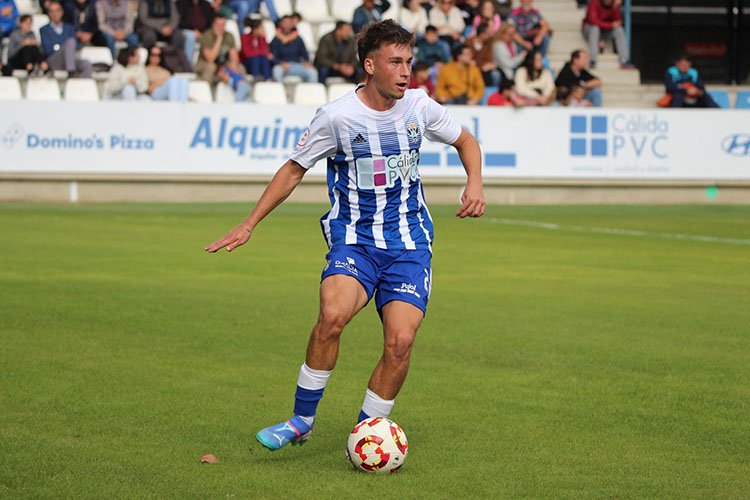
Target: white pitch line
[{"x": 621, "y": 232}]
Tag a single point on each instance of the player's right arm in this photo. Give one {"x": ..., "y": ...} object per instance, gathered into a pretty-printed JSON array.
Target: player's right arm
[{"x": 281, "y": 186}]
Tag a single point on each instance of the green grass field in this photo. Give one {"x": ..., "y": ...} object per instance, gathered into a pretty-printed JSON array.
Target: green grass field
[{"x": 567, "y": 352}]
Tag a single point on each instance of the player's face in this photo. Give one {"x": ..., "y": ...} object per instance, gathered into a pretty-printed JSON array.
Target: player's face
[{"x": 390, "y": 69}]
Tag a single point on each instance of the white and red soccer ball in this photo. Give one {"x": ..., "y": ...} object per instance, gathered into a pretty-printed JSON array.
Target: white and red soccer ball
[{"x": 377, "y": 445}]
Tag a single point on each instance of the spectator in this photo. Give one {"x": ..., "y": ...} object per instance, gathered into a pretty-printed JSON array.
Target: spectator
[
  {"x": 369, "y": 12},
  {"x": 481, "y": 49},
  {"x": 23, "y": 49},
  {"x": 196, "y": 17},
  {"x": 244, "y": 8},
  {"x": 603, "y": 18},
  {"x": 291, "y": 56},
  {"x": 8, "y": 17},
  {"x": 233, "y": 74},
  {"x": 506, "y": 95},
  {"x": 487, "y": 15},
  {"x": 158, "y": 21},
  {"x": 533, "y": 29},
  {"x": 215, "y": 45},
  {"x": 254, "y": 52},
  {"x": 82, "y": 15},
  {"x": 420, "y": 79},
  {"x": 449, "y": 22},
  {"x": 128, "y": 77},
  {"x": 59, "y": 43},
  {"x": 337, "y": 54},
  {"x": 577, "y": 98},
  {"x": 469, "y": 9},
  {"x": 685, "y": 86},
  {"x": 162, "y": 86},
  {"x": 431, "y": 50},
  {"x": 460, "y": 81},
  {"x": 507, "y": 58},
  {"x": 116, "y": 19},
  {"x": 574, "y": 73},
  {"x": 413, "y": 17},
  {"x": 534, "y": 82}
]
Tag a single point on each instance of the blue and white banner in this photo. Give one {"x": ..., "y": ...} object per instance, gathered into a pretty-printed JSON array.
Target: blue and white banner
[{"x": 246, "y": 139}]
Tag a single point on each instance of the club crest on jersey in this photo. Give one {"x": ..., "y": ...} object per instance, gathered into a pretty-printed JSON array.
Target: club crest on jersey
[
  {"x": 384, "y": 171},
  {"x": 412, "y": 130}
]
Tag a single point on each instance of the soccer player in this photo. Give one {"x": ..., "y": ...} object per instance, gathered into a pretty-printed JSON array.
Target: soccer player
[{"x": 378, "y": 230}]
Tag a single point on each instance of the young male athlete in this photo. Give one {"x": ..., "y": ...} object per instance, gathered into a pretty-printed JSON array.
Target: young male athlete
[{"x": 378, "y": 230}]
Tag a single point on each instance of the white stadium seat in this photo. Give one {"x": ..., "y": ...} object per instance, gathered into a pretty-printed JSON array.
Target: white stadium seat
[
  {"x": 325, "y": 28},
  {"x": 96, "y": 55},
  {"x": 310, "y": 94},
  {"x": 81, "y": 89},
  {"x": 336, "y": 90},
  {"x": 42, "y": 89},
  {"x": 10, "y": 89},
  {"x": 200, "y": 91},
  {"x": 27, "y": 7},
  {"x": 142, "y": 55},
  {"x": 37, "y": 21},
  {"x": 270, "y": 28},
  {"x": 235, "y": 31},
  {"x": 224, "y": 93},
  {"x": 283, "y": 8},
  {"x": 313, "y": 11},
  {"x": 269, "y": 93},
  {"x": 306, "y": 33},
  {"x": 343, "y": 10},
  {"x": 393, "y": 11}
]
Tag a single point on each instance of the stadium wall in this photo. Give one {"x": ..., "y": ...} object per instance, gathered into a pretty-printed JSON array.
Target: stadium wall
[{"x": 143, "y": 151}]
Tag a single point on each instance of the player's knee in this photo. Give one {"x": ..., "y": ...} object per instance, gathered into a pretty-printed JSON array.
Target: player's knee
[
  {"x": 398, "y": 346},
  {"x": 332, "y": 321}
]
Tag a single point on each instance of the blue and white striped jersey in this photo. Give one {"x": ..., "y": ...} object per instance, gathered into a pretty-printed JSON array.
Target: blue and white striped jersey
[{"x": 373, "y": 177}]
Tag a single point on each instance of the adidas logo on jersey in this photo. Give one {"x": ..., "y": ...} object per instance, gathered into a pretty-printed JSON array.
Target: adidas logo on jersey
[{"x": 360, "y": 139}]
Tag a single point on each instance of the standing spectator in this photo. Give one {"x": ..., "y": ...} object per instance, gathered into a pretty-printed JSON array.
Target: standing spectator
[
  {"x": 337, "y": 54},
  {"x": 117, "y": 22},
  {"x": 487, "y": 15},
  {"x": 534, "y": 82},
  {"x": 158, "y": 21},
  {"x": 481, "y": 49},
  {"x": 533, "y": 29},
  {"x": 127, "y": 78},
  {"x": 233, "y": 74},
  {"x": 196, "y": 17},
  {"x": 162, "y": 86},
  {"x": 506, "y": 55},
  {"x": 574, "y": 73},
  {"x": 291, "y": 56},
  {"x": 369, "y": 12},
  {"x": 8, "y": 17},
  {"x": 431, "y": 50},
  {"x": 413, "y": 17},
  {"x": 603, "y": 18},
  {"x": 23, "y": 49},
  {"x": 59, "y": 43},
  {"x": 446, "y": 17},
  {"x": 214, "y": 49},
  {"x": 685, "y": 86},
  {"x": 244, "y": 8},
  {"x": 254, "y": 52},
  {"x": 460, "y": 81},
  {"x": 82, "y": 15}
]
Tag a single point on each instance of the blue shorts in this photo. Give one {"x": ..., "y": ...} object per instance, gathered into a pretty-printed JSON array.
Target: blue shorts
[{"x": 404, "y": 275}]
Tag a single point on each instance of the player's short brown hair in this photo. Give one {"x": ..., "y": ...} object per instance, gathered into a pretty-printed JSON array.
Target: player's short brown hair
[{"x": 385, "y": 32}]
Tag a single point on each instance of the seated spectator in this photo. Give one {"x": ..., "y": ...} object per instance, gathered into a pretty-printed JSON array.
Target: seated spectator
[
  {"x": 420, "y": 79},
  {"x": 290, "y": 54},
  {"x": 469, "y": 9},
  {"x": 59, "y": 43},
  {"x": 534, "y": 82},
  {"x": 506, "y": 95},
  {"x": 215, "y": 45},
  {"x": 158, "y": 21},
  {"x": 196, "y": 17},
  {"x": 244, "y": 8},
  {"x": 507, "y": 57},
  {"x": 413, "y": 17},
  {"x": 504, "y": 8},
  {"x": 685, "y": 86},
  {"x": 604, "y": 19},
  {"x": 574, "y": 73},
  {"x": 82, "y": 15},
  {"x": 431, "y": 50},
  {"x": 162, "y": 86},
  {"x": 337, "y": 54},
  {"x": 533, "y": 29},
  {"x": 8, "y": 17},
  {"x": 481, "y": 50},
  {"x": 446, "y": 17},
  {"x": 116, "y": 19},
  {"x": 577, "y": 98},
  {"x": 127, "y": 78},
  {"x": 233, "y": 74},
  {"x": 254, "y": 52},
  {"x": 488, "y": 16},
  {"x": 460, "y": 81},
  {"x": 369, "y": 12},
  {"x": 24, "y": 51}
]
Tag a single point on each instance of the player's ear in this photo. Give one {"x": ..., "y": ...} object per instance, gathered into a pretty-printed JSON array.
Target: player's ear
[{"x": 369, "y": 66}]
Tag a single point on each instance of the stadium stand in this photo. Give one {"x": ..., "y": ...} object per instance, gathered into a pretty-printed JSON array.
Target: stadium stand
[
  {"x": 235, "y": 31},
  {"x": 27, "y": 7},
  {"x": 224, "y": 93},
  {"x": 269, "y": 93},
  {"x": 336, "y": 90},
  {"x": 313, "y": 11},
  {"x": 42, "y": 89},
  {"x": 81, "y": 90},
  {"x": 343, "y": 10},
  {"x": 10, "y": 89},
  {"x": 200, "y": 91},
  {"x": 310, "y": 94}
]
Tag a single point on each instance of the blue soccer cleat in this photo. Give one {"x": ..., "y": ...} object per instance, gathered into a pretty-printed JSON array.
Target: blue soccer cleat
[{"x": 294, "y": 431}]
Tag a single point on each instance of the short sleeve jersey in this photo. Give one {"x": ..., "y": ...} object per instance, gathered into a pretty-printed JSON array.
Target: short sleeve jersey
[{"x": 374, "y": 184}]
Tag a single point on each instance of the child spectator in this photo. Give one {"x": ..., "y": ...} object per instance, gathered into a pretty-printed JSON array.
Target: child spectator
[
  {"x": 196, "y": 17},
  {"x": 413, "y": 17},
  {"x": 24, "y": 51},
  {"x": 506, "y": 95},
  {"x": 507, "y": 58},
  {"x": 577, "y": 98},
  {"x": 254, "y": 52},
  {"x": 685, "y": 86},
  {"x": 116, "y": 19},
  {"x": 233, "y": 74},
  {"x": 460, "y": 81},
  {"x": 128, "y": 77},
  {"x": 162, "y": 86},
  {"x": 420, "y": 79},
  {"x": 534, "y": 82},
  {"x": 533, "y": 29},
  {"x": 603, "y": 18}
]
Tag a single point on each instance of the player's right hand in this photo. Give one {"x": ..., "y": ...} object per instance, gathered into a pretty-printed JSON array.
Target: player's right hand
[{"x": 234, "y": 238}]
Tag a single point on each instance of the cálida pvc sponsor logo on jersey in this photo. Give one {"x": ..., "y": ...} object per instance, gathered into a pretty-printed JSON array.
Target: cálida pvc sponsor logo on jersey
[{"x": 383, "y": 171}]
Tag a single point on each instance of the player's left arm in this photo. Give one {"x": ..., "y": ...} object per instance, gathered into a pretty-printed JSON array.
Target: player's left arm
[{"x": 472, "y": 199}]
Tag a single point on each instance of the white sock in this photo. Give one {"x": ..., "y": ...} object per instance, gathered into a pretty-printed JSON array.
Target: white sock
[
  {"x": 375, "y": 406},
  {"x": 310, "y": 385},
  {"x": 312, "y": 379}
]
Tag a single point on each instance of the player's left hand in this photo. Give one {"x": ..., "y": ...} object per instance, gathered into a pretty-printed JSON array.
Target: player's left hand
[
  {"x": 473, "y": 203},
  {"x": 234, "y": 238}
]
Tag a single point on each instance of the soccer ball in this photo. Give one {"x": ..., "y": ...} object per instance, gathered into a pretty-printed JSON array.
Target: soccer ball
[{"x": 377, "y": 445}]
